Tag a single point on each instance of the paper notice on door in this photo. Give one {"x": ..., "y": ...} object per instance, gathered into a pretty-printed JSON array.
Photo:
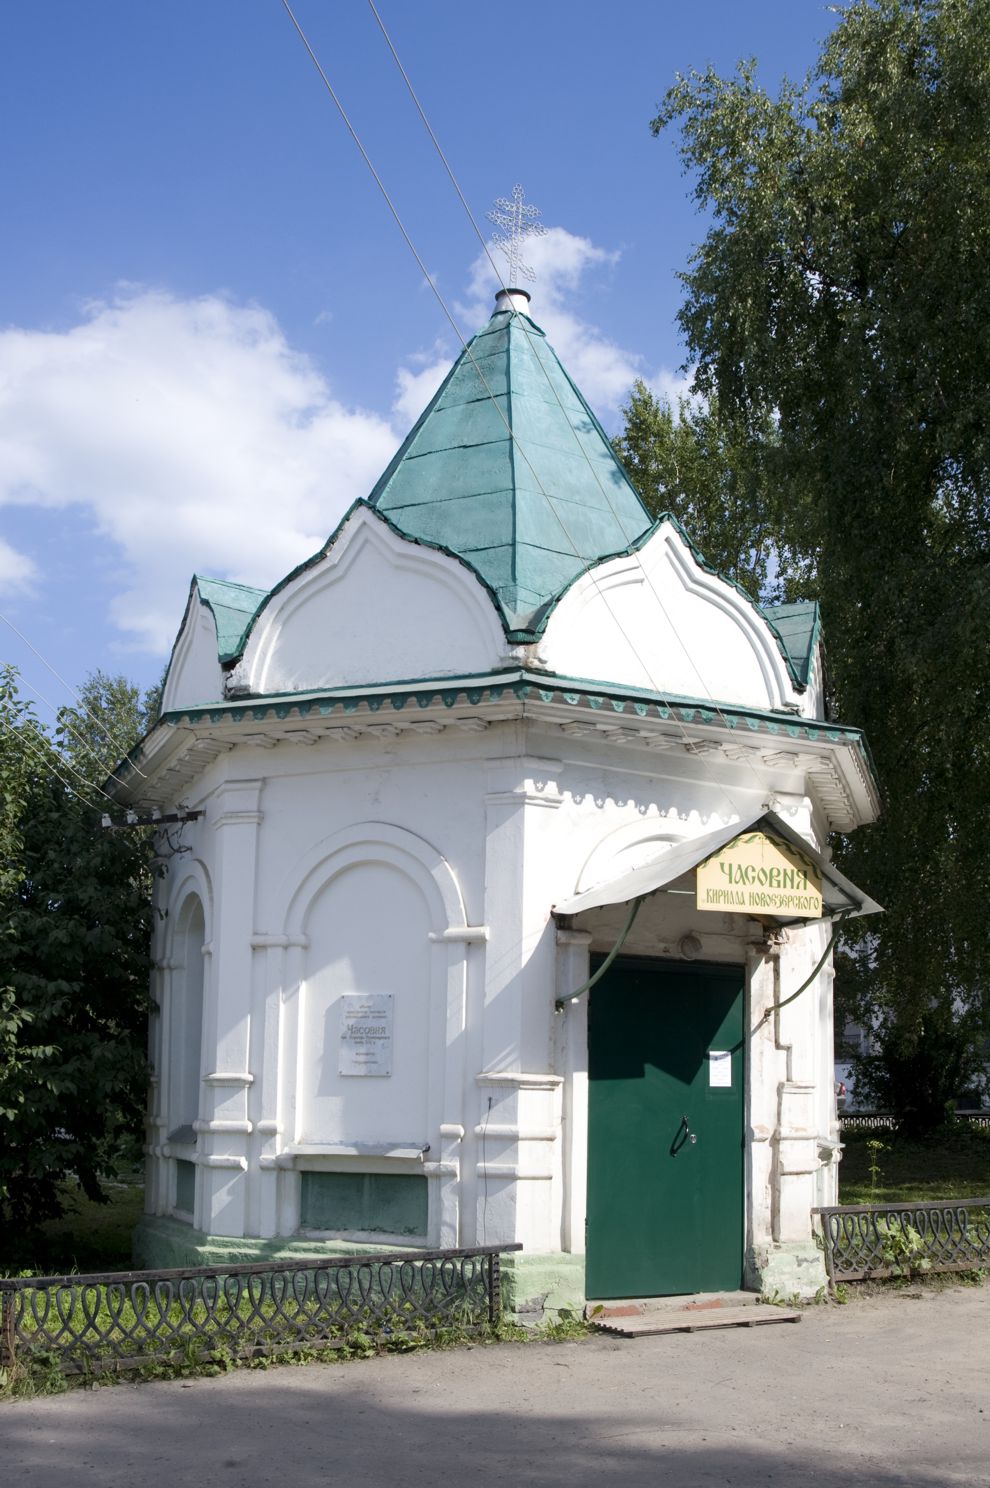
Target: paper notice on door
[{"x": 719, "y": 1067}]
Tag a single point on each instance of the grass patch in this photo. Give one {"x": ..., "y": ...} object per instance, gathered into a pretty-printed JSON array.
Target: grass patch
[
  {"x": 41, "y": 1372},
  {"x": 914, "y": 1286},
  {"x": 87, "y": 1237},
  {"x": 951, "y": 1164}
]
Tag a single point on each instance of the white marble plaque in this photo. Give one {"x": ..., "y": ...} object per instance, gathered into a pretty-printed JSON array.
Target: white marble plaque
[
  {"x": 719, "y": 1067},
  {"x": 366, "y": 1033}
]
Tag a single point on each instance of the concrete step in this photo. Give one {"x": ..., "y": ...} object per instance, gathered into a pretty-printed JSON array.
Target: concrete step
[{"x": 688, "y": 1320}]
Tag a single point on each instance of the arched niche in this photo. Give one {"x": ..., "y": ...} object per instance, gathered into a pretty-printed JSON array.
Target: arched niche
[
  {"x": 370, "y": 908},
  {"x": 185, "y": 1016},
  {"x": 365, "y": 841},
  {"x": 625, "y": 848}
]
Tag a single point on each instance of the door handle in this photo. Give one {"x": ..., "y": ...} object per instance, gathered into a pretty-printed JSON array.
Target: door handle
[{"x": 682, "y": 1137}]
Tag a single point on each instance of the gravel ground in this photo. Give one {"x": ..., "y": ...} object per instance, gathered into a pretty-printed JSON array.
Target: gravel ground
[{"x": 888, "y": 1390}]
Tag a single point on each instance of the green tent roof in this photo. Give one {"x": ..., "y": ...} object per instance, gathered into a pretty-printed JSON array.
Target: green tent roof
[
  {"x": 798, "y": 627},
  {"x": 509, "y": 469},
  {"x": 234, "y": 606}
]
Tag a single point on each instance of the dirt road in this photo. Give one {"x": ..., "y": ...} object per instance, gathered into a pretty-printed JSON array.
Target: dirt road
[{"x": 886, "y": 1391}]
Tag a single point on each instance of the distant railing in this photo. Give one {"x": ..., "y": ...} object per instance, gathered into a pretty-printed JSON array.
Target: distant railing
[
  {"x": 852, "y": 1121},
  {"x": 877, "y": 1240},
  {"x": 122, "y": 1320}
]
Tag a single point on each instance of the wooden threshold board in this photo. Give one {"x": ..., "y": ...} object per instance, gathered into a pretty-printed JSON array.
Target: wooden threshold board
[{"x": 663, "y": 1321}]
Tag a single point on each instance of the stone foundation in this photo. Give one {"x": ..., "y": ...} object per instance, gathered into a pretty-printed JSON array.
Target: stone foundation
[
  {"x": 795, "y": 1270},
  {"x": 542, "y": 1288},
  {"x": 535, "y": 1288}
]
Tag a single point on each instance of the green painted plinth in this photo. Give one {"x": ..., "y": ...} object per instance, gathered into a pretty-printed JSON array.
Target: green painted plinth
[
  {"x": 534, "y": 1287},
  {"x": 787, "y": 1271},
  {"x": 160, "y": 1244},
  {"x": 538, "y": 1288}
]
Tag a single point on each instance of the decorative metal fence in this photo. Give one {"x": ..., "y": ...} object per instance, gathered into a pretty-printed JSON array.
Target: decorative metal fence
[
  {"x": 877, "y": 1240},
  {"x": 853, "y": 1121},
  {"x": 122, "y": 1320}
]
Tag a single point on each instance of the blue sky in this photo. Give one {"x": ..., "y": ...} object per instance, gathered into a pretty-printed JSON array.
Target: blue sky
[{"x": 212, "y": 335}]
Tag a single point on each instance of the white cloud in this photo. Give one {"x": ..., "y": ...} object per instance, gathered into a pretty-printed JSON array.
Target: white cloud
[
  {"x": 192, "y": 433},
  {"x": 17, "y": 571},
  {"x": 563, "y": 262},
  {"x": 415, "y": 388},
  {"x": 191, "y": 436},
  {"x": 673, "y": 386}
]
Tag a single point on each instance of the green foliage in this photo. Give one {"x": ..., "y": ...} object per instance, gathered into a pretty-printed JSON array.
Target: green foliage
[
  {"x": 874, "y": 1148},
  {"x": 41, "y": 1375},
  {"x": 566, "y": 1327},
  {"x": 74, "y": 934},
  {"x": 952, "y": 1163},
  {"x": 716, "y": 478},
  {"x": 87, "y": 1236},
  {"x": 920, "y": 1066},
  {"x": 44, "y": 1371},
  {"x": 841, "y": 294},
  {"x": 110, "y": 717},
  {"x": 902, "y": 1248}
]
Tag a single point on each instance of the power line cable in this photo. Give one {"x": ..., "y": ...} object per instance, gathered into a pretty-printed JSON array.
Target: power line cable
[
  {"x": 550, "y": 383},
  {"x": 61, "y": 723},
  {"x": 707, "y": 691},
  {"x": 429, "y": 129},
  {"x": 723, "y": 789},
  {"x": 378, "y": 180},
  {"x": 49, "y": 768},
  {"x": 115, "y": 744}
]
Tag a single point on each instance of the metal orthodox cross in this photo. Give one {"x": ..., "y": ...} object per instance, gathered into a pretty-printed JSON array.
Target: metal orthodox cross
[{"x": 519, "y": 219}]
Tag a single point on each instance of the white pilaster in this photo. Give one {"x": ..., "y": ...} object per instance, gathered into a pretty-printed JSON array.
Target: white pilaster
[
  {"x": 801, "y": 1135},
  {"x": 224, "y": 1128},
  {"x": 518, "y": 1123},
  {"x": 571, "y": 1028}
]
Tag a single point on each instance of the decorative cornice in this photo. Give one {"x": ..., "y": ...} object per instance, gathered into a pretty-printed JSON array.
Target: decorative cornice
[
  {"x": 395, "y": 698},
  {"x": 833, "y": 757}
]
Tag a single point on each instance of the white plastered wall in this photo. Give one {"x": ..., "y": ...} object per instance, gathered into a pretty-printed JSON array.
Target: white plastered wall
[
  {"x": 479, "y": 834},
  {"x": 375, "y": 607},
  {"x": 656, "y": 619},
  {"x": 194, "y": 674}
]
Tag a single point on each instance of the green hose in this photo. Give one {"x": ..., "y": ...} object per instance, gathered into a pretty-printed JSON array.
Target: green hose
[{"x": 562, "y": 1002}]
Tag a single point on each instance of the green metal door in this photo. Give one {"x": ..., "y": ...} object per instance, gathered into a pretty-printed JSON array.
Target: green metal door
[{"x": 665, "y": 1130}]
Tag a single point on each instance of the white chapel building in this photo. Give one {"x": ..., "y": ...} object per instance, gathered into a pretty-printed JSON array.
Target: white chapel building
[{"x": 503, "y": 726}]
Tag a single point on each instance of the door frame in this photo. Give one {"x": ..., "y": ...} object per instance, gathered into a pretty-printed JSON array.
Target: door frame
[{"x": 637, "y": 961}]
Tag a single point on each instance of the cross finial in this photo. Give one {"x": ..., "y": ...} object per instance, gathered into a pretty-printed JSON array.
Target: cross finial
[{"x": 519, "y": 219}]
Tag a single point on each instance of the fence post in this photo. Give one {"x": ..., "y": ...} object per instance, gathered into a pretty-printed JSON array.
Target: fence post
[{"x": 7, "y": 1335}]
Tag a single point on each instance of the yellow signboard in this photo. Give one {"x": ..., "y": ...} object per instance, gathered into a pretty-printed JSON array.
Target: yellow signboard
[{"x": 756, "y": 874}]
